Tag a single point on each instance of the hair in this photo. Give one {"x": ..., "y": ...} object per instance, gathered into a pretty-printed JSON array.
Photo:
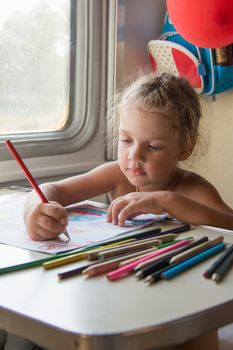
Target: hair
[{"x": 168, "y": 95}]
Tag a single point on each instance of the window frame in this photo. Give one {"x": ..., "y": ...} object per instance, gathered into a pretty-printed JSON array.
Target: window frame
[
  {"x": 84, "y": 142},
  {"x": 88, "y": 31}
]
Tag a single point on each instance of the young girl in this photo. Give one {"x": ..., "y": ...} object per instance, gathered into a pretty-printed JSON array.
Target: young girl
[{"x": 158, "y": 128}]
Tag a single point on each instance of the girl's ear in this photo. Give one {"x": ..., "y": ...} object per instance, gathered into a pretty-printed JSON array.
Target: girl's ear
[{"x": 186, "y": 150}]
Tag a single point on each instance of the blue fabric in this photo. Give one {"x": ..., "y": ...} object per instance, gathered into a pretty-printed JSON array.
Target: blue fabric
[{"x": 216, "y": 78}]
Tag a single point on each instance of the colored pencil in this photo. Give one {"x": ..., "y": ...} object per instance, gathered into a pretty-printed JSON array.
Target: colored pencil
[
  {"x": 174, "y": 271},
  {"x": 150, "y": 231},
  {"x": 63, "y": 261},
  {"x": 73, "y": 272},
  {"x": 146, "y": 232},
  {"x": 140, "y": 255},
  {"x": 75, "y": 257},
  {"x": 93, "y": 254},
  {"x": 40, "y": 262},
  {"x": 178, "y": 229},
  {"x": 29, "y": 176},
  {"x": 125, "y": 270},
  {"x": 168, "y": 255},
  {"x": 166, "y": 238},
  {"x": 157, "y": 275},
  {"x": 23, "y": 266},
  {"x": 163, "y": 239},
  {"x": 163, "y": 245},
  {"x": 223, "y": 268},
  {"x": 143, "y": 270},
  {"x": 111, "y": 263},
  {"x": 128, "y": 248},
  {"x": 151, "y": 268},
  {"x": 209, "y": 272},
  {"x": 133, "y": 246},
  {"x": 136, "y": 233},
  {"x": 197, "y": 249},
  {"x": 96, "y": 268}
]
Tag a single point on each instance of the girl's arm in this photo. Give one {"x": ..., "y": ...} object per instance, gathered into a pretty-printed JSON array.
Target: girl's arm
[
  {"x": 196, "y": 213},
  {"x": 185, "y": 209},
  {"x": 48, "y": 220}
]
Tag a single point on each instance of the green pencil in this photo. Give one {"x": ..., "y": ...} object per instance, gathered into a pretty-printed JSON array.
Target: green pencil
[{"x": 39, "y": 262}]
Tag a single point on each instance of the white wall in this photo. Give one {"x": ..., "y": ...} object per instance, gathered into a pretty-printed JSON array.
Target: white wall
[{"x": 217, "y": 164}]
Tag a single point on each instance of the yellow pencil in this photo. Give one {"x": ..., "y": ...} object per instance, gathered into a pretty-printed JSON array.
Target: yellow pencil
[
  {"x": 78, "y": 256},
  {"x": 62, "y": 261}
]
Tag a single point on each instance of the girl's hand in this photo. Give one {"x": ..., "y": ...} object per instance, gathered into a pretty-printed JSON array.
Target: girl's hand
[
  {"x": 133, "y": 204},
  {"x": 45, "y": 221}
]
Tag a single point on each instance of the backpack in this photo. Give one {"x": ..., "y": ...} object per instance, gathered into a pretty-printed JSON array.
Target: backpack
[{"x": 209, "y": 71}]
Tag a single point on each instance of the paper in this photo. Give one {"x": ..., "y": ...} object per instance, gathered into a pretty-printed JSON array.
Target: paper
[{"x": 87, "y": 225}]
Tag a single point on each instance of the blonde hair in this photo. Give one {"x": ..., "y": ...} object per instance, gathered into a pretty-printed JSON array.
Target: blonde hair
[{"x": 169, "y": 95}]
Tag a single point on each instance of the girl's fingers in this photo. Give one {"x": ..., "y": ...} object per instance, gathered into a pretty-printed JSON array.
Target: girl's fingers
[
  {"x": 125, "y": 207},
  {"x": 112, "y": 212},
  {"x": 55, "y": 211},
  {"x": 41, "y": 234},
  {"x": 47, "y": 222},
  {"x": 128, "y": 211},
  {"x": 46, "y": 229},
  {"x": 118, "y": 211},
  {"x": 110, "y": 209}
]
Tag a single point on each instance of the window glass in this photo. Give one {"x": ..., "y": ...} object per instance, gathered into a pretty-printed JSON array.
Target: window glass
[
  {"x": 35, "y": 44},
  {"x": 53, "y": 85}
]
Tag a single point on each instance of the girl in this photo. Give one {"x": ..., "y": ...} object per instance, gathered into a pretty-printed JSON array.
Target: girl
[{"x": 158, "y": 127}]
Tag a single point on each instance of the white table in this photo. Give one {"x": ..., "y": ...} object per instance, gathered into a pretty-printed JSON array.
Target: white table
[{"x": 94, "y": 313}]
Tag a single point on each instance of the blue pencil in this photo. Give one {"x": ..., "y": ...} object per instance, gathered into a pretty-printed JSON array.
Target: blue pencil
[{"x": 173, "y": 271}]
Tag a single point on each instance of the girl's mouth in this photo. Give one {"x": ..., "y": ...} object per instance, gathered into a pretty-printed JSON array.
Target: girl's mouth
[{"x": 135, "y": 171}]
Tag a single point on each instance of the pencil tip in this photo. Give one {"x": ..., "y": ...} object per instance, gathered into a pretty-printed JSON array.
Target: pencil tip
[
  {"x": 148, "y": 279},
  {"x": 138, "y": 275},
  {"x": 215, "y": 277}
]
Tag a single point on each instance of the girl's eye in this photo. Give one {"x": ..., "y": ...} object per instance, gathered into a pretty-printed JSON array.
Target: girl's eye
[
  {"x": 153, "y": 147},
  {"x": 125, "y": 140}
]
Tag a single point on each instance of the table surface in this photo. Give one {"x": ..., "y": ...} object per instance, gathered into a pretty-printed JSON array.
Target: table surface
[{"x": 94, "y": 313}]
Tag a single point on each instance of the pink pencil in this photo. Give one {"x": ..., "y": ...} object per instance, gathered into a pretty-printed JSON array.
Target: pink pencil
[
  {"x": 29, "y": 175},
  {"x": 125, "y": 270}
]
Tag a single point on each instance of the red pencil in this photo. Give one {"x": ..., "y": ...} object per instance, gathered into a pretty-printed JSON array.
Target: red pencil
[
  {"x": 26, "y": 171},
  {"x": 28, "y": 175}
]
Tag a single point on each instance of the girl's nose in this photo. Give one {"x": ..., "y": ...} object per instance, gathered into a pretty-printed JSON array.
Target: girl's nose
[{"x": 136, "y": 153}]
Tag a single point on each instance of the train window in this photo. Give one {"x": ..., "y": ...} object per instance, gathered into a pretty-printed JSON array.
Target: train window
[
  {"x": 53, "y": 78},
  {"x": 35, "y": 65}
]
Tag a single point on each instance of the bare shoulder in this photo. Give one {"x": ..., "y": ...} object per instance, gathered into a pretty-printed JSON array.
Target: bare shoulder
[
  {"x": 121, "y": 183},
  {"x": 191, "y": 182},
  {"x": 112, "y": 175},
  {"x": 196, "y": 187},
  {"x": 118, "y": 183},
  {"x": 111, "y": 169}
]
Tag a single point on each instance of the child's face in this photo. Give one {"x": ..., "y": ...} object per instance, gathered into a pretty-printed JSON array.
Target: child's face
[{"x": 149, "y": 148}]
